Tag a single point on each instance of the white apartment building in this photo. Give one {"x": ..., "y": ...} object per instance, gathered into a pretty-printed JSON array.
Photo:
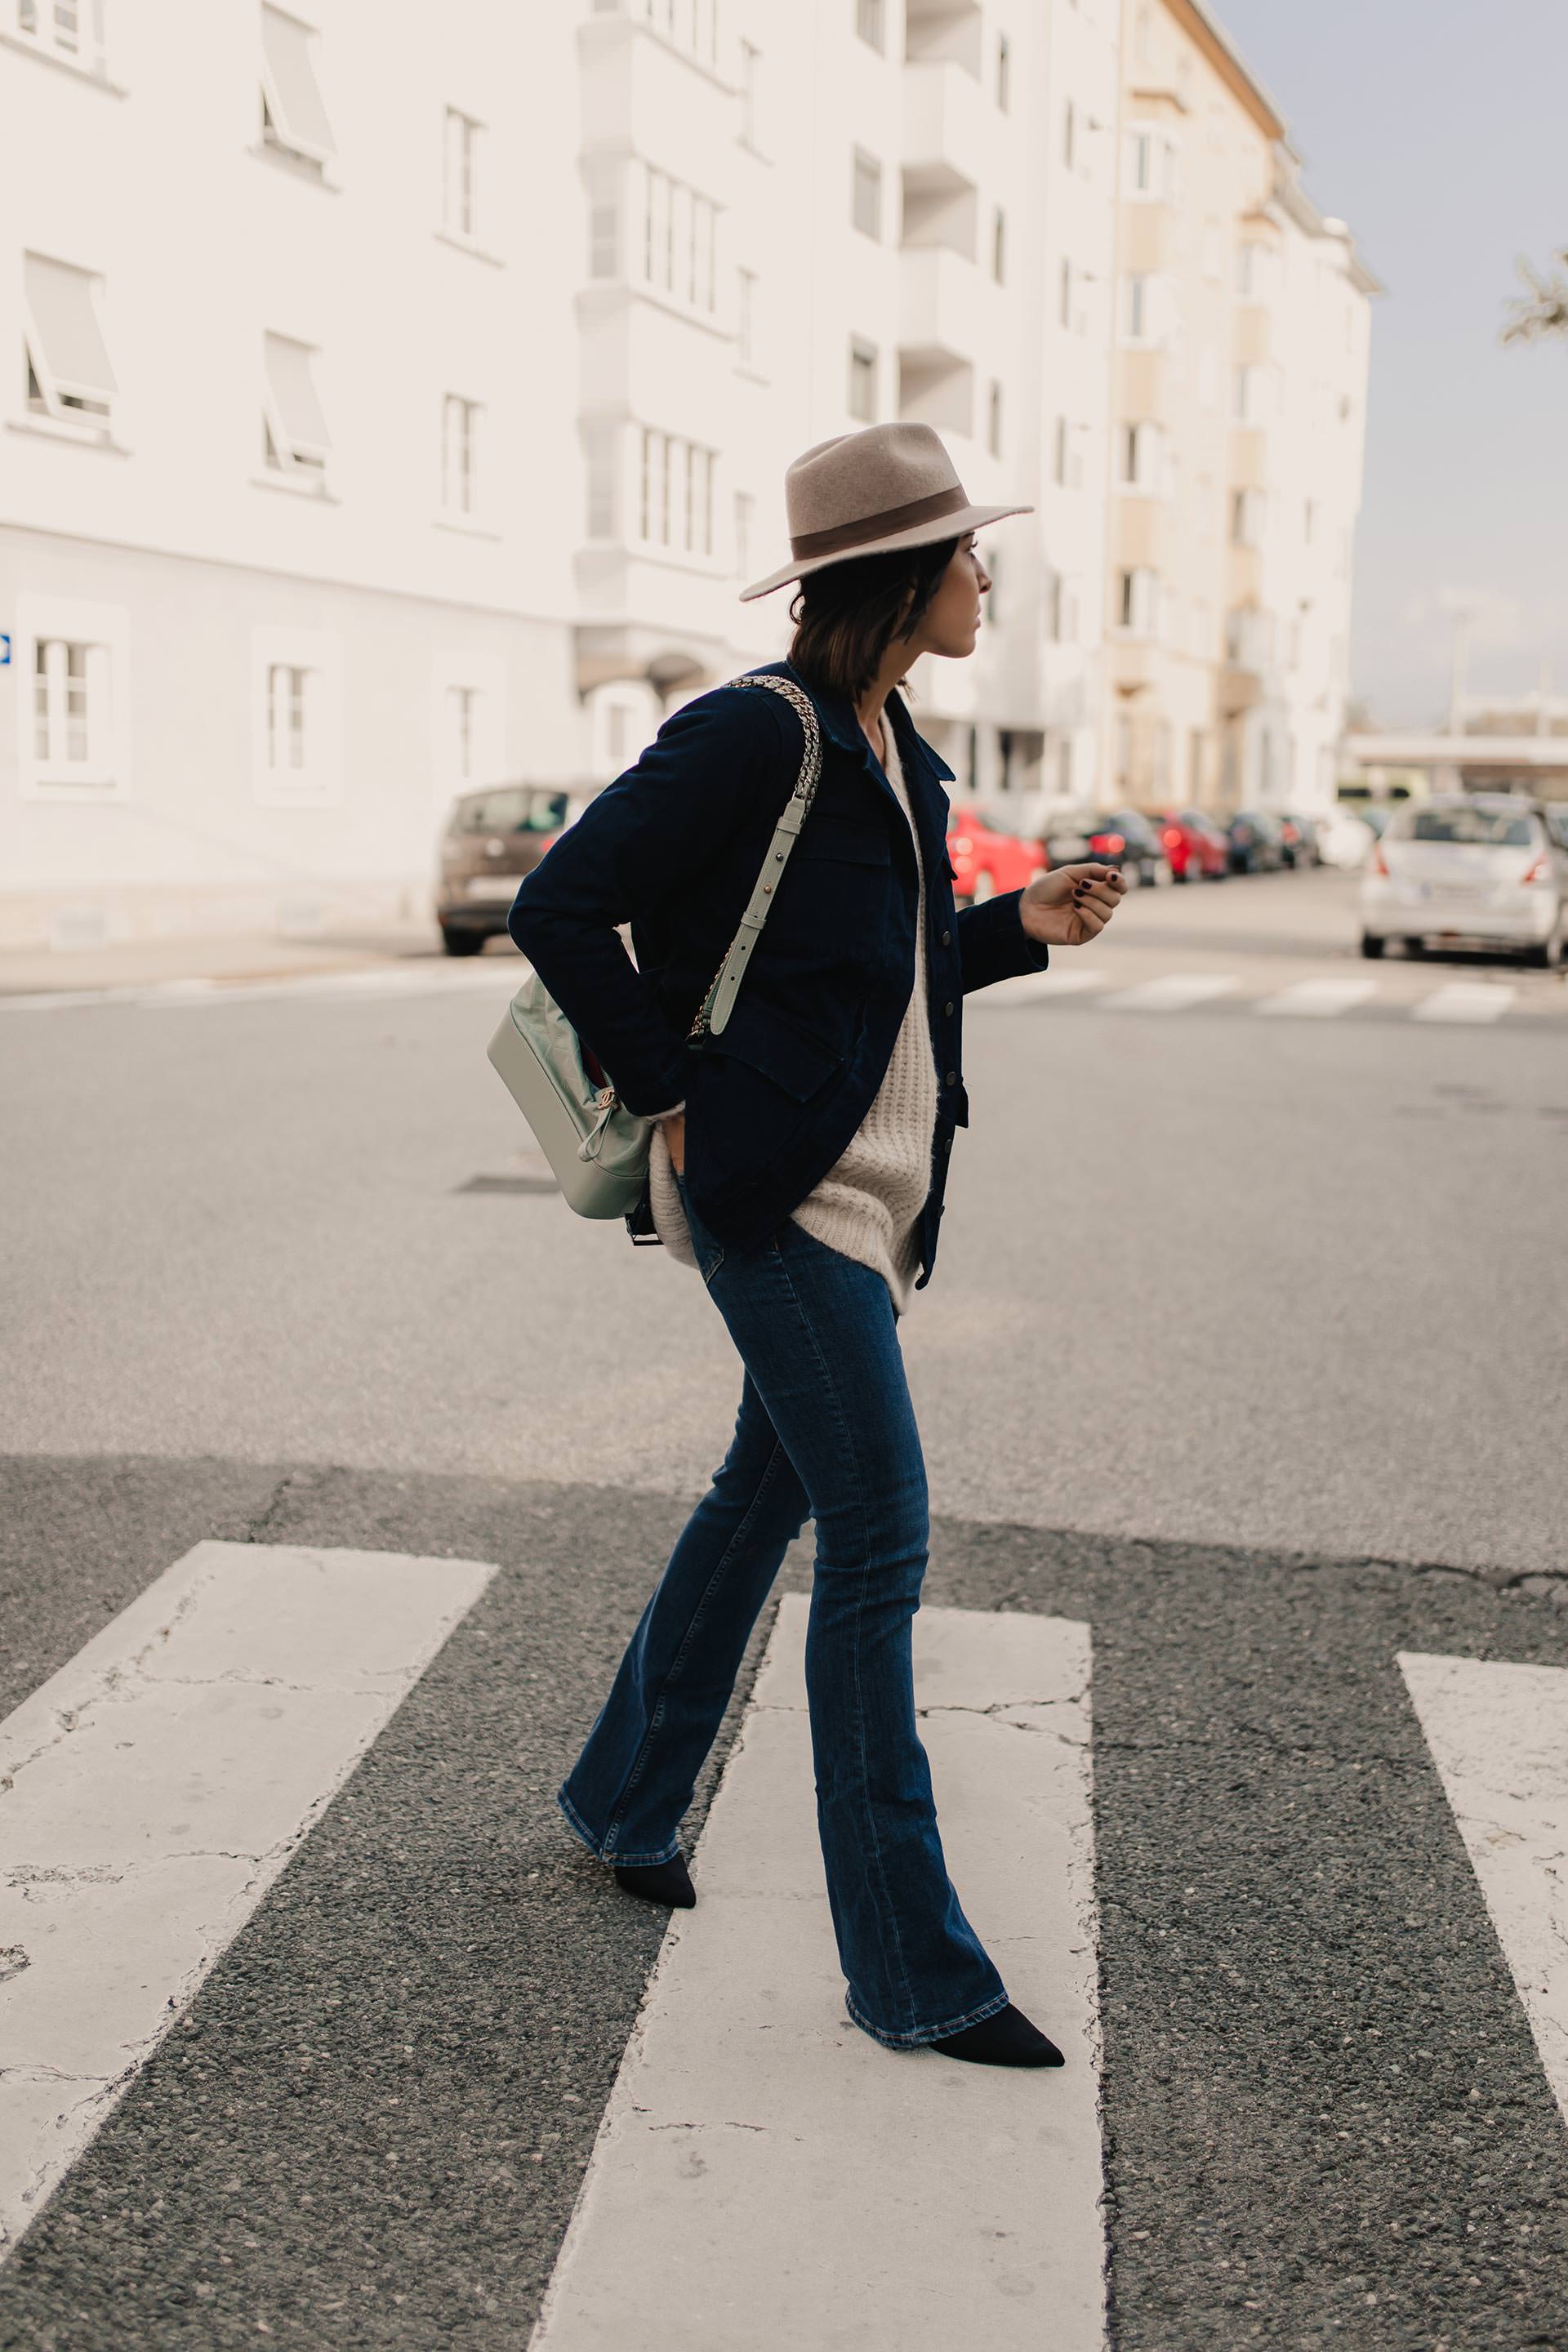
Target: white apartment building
[{"x": 389, "y": 414}]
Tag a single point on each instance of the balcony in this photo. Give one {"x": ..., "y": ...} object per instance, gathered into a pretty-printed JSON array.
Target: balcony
[
  {"x": 939, "y": 314},
  {"x": 951, "y": 29},
  {"x": 945, "y": 129}
]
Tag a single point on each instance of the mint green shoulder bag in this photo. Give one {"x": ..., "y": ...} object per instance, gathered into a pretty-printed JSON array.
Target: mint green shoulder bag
[{"x": 597, "y": 1150}]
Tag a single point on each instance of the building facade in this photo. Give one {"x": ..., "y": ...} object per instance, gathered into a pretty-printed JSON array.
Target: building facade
[{"x": 386, "y": 417}]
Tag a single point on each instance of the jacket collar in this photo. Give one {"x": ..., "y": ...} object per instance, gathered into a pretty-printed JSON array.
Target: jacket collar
[{"x": 838, "y": 721}]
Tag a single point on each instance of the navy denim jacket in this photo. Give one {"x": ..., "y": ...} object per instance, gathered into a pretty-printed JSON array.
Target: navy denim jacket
[{"x": 673, "y": 847}]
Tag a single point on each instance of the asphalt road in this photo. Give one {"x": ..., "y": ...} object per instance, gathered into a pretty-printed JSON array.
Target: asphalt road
[{"x": 1246, "y": 1347}]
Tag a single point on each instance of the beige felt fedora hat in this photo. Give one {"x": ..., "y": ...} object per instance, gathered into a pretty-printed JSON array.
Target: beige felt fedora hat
[{"x": 865, "y": 493}]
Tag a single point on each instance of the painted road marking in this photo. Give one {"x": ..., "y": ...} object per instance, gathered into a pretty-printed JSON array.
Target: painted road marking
[
  {"x": 1175, "y": 994},
  {"x": 152, "y": 1789},
  {"x": 1465, "y": 1000},
  {"x": 766, "y": 2176},
  {"x": 1032, "y": 987},
  {"x": 500, "y": 974},
  {"x": 1317, "y": 999},
  {"x": 1499, "y": 1735}
]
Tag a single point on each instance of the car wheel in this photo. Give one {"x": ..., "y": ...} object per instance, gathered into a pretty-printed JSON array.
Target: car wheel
[
  {"x": 1414, "y": 947},
  {"x": 462, "y": 943},
  {"x": 1370, "y": 945}
]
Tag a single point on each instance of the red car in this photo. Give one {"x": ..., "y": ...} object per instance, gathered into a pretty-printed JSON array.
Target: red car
[
  {"x": 1194, "y": 844},
  {"x": 984, "y": 859}
]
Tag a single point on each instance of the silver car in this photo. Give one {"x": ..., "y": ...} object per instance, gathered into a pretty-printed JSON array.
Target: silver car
[{"x": 1483, "y": 869}]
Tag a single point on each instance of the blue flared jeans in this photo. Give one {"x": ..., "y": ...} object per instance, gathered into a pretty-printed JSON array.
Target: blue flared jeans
[{"x": 825, "y": 1431}]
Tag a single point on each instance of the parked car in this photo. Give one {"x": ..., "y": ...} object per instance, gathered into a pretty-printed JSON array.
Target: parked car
[
  {"x": 1299, "y": 841},
  {"x": 1257, "y": 842},
  {"x": 1477, "y": 868},
  {"x": 492, "y": 839},
  {"x": 1121, "y": 837},
  {"x": 1344, "y": 838},
  {"x": 986, "y": 855},
  {"x": 1194, "y": 844}
]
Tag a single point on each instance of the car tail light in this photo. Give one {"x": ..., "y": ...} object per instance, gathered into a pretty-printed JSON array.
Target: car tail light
[
  {"x": 1379, "y": 863},
  {"x": 1107, "y": 845},
  {"x": 1537, "y": 870},
  {"x": 1172, "y": 836},
  {"x": 961, "y": 845}
]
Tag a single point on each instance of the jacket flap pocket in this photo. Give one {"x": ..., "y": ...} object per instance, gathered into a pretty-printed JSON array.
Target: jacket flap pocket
[{"x": 764, "y": 1040}]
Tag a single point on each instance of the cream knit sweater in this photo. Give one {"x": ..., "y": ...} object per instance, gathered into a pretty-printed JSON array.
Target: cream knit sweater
[{"x": 867, "y": 1206}]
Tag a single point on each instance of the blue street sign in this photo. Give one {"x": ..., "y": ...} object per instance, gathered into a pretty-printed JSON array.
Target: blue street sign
[{"x": 4, "y": 650}]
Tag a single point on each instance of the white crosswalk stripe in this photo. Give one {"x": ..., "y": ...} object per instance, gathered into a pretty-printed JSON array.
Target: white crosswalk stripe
[
  {"x": 1465, "y": 1000},
  {"x": 1175, "y": 994},
  {"x": 1499, "y": 1735},
  {"x": 1317, "y": 999},
  {"x": 760, "y": 2156},
  {"x": 152, "y": 1789}
]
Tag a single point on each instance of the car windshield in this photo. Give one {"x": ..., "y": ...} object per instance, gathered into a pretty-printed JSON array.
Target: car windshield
[
  {"x": 513, "y": 808},
  {"x": 1481, "y": 828}
]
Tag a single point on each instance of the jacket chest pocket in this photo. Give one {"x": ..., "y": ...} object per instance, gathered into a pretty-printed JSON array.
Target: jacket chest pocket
[{"x": 828, "y": 838}]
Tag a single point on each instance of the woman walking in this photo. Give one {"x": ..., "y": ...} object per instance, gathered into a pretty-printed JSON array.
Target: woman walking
[{"x": 799, "y": 1165}]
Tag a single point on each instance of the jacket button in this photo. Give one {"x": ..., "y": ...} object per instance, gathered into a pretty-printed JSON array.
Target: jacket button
[
  {"x": 947, "y": 938},
  {"x": 947, "y": 1008},
  {"x": 953, "y": 1077}
]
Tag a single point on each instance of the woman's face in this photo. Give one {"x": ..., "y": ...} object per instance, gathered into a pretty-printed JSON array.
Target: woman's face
[{"x": 952, "y": 619}]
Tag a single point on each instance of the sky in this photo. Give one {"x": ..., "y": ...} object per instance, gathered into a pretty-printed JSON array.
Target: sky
[{"x": 1435, "y": 127}]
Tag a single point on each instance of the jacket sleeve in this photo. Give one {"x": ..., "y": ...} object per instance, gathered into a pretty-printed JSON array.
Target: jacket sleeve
[
  {"x": 697, "y": 784},
  {"x": 993, "y": 945}
]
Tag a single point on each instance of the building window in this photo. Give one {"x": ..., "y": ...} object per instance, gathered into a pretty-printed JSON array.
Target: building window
[
  {"x": 867, "y": 202},
  {"x": 293, "y": 118},
  {"x": 1064, "y": 295},
  {"x": 70, "y": 709},
  {"x": 676, "y": 504},
  {"x": 1068, "y": 455},
  {"x": 1061, "y": 608},
  {"x": 460, "y": 454},
  {"x": 679, "y": 240},
  {"x": 868, "y": 23},
  {"x": 294, "y": 431},
  {"x": 1003, "y": 72},
  {"x": 286, "y": 684},
  {"x": 1151, "y": 167},
  {"x": 863, "y": 381},
  {"x": 1141, "y": 450},
  {"x": 1138, "y": 602},
  {"x": 461, "y": 213},
  {"x": 462, "y": 732},
  {"x": 1247, "y": 513},
  {"x": 1254, "y": 271},
  {"x": 993, "y": 420},
  {"x": 71, "y": 30},
  {"x": 745, "y": 515},
  {"x": 1251, "y": 393},
  {"x": 68, "y": 374},
  {"x": 1069, "y": 134},
  {"x": 999, "y": 245},
  {"x": 746, "y": 315},
  {"x": 1309, "y": 520}
]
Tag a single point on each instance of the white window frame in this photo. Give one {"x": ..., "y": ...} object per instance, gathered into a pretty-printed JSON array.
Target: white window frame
[
  {"x": 865, "y": 195},
  {"x": 1255, "y": 261},
  {"x": 1249, "y": 517},
  {"x": 482, "y": 677},
  {"x": 1142, "y": 455},
  {"x": 1151, "y": 160},
  {"x": 85, "y": 409},
  {"x": 295, "y": 457},
  {"x": 462, "y": 144},
  {"x": 70, "y": 32},
  {"x": 295, "y": 139},
  {"x": 674, "y": 496},
  {"x": 318, "y": 655},
  {"x": 104, "y": 630},
  {"x": 864, "y": 378},
  {"x": 1138, "y": 602},
  {"x": 462, "y": 435},
  {"x": 1004, "y": 74}
]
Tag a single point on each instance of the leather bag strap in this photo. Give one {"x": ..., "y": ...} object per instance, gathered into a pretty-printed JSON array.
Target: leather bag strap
[{"x": 720, "y": 1000}]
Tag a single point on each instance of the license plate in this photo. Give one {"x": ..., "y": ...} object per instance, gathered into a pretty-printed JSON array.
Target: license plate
[{"x": 491, "y": 886}]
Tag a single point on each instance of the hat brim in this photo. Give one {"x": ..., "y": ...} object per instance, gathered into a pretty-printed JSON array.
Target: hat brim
[{"x": 922, "y": 534}]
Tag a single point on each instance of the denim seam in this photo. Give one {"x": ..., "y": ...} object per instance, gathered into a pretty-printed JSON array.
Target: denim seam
[
  {"x": 627, "y": 1861},
  {"x": 928, "y": 2033},
  {"x": 672, "y": 1673},
  {"x": 852, "y": 1457}
]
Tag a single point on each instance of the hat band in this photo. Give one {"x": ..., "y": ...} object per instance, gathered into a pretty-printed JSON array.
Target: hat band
[{"x": 844, "y": 535}]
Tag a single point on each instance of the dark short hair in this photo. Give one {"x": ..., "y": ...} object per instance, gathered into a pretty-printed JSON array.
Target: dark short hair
[{"x": 847, "y": 614}]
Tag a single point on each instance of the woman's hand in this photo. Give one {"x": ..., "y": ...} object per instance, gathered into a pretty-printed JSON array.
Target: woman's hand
[
  {"x": 1065, "y": 907},
  {"x": 674, "y": 1130}
]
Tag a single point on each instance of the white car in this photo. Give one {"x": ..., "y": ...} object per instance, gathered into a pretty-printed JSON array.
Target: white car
[{"x": 1487, "y": 869}]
